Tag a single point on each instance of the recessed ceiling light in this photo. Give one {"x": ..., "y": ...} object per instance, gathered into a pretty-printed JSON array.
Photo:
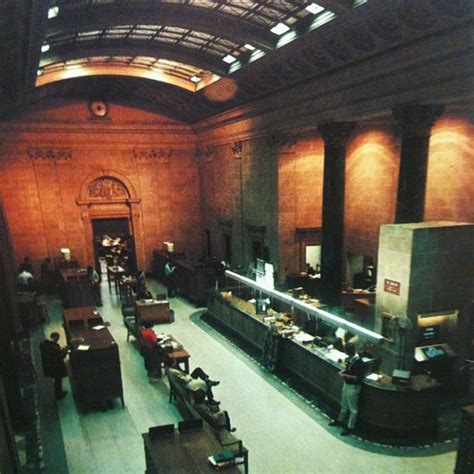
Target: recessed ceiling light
[
  {"x": 195, "y": 78},
  {"x": 314, "y": 8},
  {"x": 44, "y": 47},
  {"x": 249, "y": 47},
  {"x": 229, "y": 59},
  {"x": 53, "y": 12},
  {"x": 280, "y": 29}
]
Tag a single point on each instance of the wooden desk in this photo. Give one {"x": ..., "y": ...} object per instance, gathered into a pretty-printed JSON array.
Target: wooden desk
[
  {"x": 76, "y": 289},
  {"x": 180, "y": 356},
  {"x": 95, "y": 372},
  {"x": 179, "y": 453},
  {"x": 75, "y": 273},
  {"x": 348, "y": 298},
  {"x": 156, "y": 311},
  {"x": 113, "y": 273}
]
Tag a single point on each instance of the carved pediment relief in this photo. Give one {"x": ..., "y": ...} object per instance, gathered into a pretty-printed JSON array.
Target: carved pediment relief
[{"x": 107, "y": 188}]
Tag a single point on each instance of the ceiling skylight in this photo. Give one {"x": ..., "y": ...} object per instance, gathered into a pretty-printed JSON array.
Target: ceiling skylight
[
  {"x": 280, "y": 29},
  {"x": 314, "y": 8},
  {"x": 229, "y": 59}
]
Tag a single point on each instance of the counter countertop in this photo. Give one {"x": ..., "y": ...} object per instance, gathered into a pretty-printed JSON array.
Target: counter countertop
[{"x": 334, "y": 357}]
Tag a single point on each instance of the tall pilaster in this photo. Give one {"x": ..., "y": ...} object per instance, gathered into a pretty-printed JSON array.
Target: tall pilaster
[
  {"x": 336, "y": 136},
  {"x": 415, "y": 122}
]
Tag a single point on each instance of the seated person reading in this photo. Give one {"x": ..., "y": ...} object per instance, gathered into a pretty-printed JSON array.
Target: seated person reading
[
  {"x": 197, "y": 380},
  {"x": 150, "y": 351},
  {"x": 218, "y": 419},
  {"x": 144, "y": 294}
]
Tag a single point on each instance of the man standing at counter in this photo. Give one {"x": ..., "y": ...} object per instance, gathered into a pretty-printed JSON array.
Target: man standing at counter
[{"x": 352, "y": 376}]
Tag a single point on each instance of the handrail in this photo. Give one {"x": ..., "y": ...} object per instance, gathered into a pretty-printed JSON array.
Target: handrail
[{"x": 320, "y": 313}]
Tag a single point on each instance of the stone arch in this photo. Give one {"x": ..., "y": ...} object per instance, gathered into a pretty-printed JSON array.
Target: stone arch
[{"x": 106, "y": 194}]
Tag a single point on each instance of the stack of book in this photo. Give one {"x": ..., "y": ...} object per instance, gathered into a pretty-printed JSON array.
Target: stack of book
[{"x": 222, "y": 460}]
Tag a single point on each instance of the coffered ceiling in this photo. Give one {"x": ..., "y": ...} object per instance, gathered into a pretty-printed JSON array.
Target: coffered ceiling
[{"x": 191, "y": 59}]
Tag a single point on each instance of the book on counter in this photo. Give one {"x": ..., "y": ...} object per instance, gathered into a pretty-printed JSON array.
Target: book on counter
[{"x": 222, "y": 460}]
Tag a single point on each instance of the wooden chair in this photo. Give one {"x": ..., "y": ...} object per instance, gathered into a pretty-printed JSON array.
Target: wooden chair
[
  {"x": 159, "y": 431},
  {"x": 190, "y": 425}
]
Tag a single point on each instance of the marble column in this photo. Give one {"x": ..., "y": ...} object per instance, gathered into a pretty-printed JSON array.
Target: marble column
[
  {"x": 415, "y": 122},
  {"x": 336, "y": 136}
]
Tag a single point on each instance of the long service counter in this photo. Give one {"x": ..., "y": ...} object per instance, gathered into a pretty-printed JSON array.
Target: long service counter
[{"x": 383, "y": 405}]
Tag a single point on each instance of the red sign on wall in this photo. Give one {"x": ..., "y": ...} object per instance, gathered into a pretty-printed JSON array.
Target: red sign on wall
[{"x": 391, "y": 286}]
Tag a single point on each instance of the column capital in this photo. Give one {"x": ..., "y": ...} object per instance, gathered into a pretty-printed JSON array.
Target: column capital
[
  {"x": 237, "y": 149},
  {"x": 416, "y": 120},
  {"x": 336, "y": 133}
]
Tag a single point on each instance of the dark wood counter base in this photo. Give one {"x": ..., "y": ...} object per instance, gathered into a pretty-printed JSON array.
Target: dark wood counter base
[{"x": 385, "y": 409}]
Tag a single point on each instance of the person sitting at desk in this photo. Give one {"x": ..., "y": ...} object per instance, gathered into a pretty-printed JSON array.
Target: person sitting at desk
[
  {"x": 26, "y": 265},
  {"x": 352, "y": 376},
  {"x": 150, "y": 351},
  {"x": 309, "y": 269},
  {"x": 144, "y": 294},
  {"x": 25, "y": 281},
  {"x": 217, "y": 419},
  {"x": 198, "y": 380}
]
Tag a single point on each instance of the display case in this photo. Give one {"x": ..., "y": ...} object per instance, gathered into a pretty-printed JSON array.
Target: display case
[{"x": 316, "y": 359}]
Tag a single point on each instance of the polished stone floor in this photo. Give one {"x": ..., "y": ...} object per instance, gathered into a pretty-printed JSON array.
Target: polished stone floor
[{"x": 283, "y": 432}]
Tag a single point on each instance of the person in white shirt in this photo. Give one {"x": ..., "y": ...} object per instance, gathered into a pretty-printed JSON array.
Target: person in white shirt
[
  {"x": 25, "y": 281},
  {"x": 197, "y": 380}
]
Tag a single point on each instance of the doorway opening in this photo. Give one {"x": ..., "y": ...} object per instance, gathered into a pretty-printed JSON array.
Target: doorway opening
[
  {"x": 313, "y": 258},
  {"x": 113, "y": 244}
]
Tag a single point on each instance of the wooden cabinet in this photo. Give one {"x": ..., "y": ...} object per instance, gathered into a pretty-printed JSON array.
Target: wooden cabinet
[
  {"x": 193, "y": 281},
  {"x": 96, "y": 375}
]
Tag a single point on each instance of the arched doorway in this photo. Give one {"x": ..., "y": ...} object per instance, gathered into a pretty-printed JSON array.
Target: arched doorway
[{"x": 109, "y": 201}]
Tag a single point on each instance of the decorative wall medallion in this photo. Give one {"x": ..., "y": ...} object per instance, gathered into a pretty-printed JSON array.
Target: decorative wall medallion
[
  {"x": 107, "y": 188},
  {"x": 54, "y": 154}
]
